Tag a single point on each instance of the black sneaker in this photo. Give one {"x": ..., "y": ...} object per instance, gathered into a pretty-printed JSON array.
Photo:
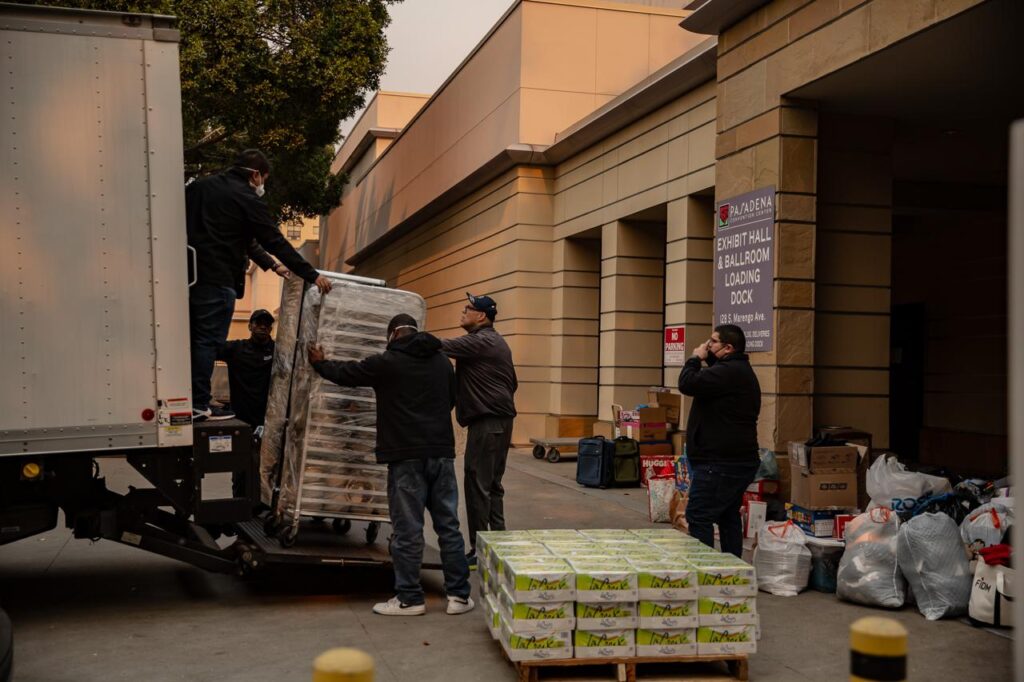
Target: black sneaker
[
  {"x": 219, "y": 414},
  {"x": 200, "y": 415},
  {"x": 471, "y": 560}
]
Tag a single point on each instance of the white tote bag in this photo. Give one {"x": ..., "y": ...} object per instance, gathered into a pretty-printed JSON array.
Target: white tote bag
[{"x": 992, "y": 595}]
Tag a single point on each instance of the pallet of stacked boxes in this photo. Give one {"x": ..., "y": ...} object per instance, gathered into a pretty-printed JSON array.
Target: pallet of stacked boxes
[{"x": 615, "y": 596}]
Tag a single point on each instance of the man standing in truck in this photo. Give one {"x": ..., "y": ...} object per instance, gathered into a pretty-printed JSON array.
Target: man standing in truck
[{"x": 224, "y": 215}]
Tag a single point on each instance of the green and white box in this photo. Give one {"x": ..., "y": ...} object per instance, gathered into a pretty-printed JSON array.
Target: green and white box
[
  {"x": 539, "y": 582},
  {"x": 654, "y": 642},
  {"x": 501, "y": 554},
  {"x": 604, "y": 581},
  {"x": 661, "y": 579},
  {"x": 524, "y": 617},
  {"x": 606, "y": 533},
  {"x": 604, "y": 643},
  {"x": 582, "y": 547},
  {"x": 718, "y": 576},
  {"x": 727, "y": 610},
  {"x": 536, "y": 646},
  {"x": 659, "y": 533},
  {"x": 555, "y": 534},
  {"x": 606, "y": 616},
  {"x": 727, "y": 639},
  {"x": 493, "y": 615},
  {"x": 485, "y": 539},
  {"x": 667, "y": 615}
]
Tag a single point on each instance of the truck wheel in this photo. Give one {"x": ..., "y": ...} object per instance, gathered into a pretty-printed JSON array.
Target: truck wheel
[
  {"x": 372, "y": 529},
  {"x": 341, "y": 526},
  {"x": 554, "y": 455},
  {"x": 538, "y": 452}
]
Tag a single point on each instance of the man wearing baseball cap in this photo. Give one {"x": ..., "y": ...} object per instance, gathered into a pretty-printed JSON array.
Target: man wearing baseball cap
[
  {"x": 249, "y": 362},
  {"x": 485, "y": 404}
]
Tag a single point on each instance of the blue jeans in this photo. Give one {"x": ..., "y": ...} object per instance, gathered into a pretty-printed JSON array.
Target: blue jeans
[
  {"x": 209, "y": 316},
  {"x": 415, "y": 485},
  {"x": 716, "y": 494}
]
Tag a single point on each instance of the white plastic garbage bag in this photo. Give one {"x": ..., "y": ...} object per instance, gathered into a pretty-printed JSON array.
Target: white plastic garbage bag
[
  {"x": 932, "y": 558},
  {"x": 868, "y": 572},
  {"x": 782, "y": 559},
  {"x": 889, "y": 484},
  {"x": 986, "y": 525}
]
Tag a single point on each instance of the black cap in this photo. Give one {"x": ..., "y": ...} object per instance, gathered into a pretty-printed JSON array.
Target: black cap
[
  {"x": 484, "y": 304},
  {"x": 261, "y": 314}
]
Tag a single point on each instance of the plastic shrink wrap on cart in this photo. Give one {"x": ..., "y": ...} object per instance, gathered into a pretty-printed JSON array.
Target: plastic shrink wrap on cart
[
  {"x": 868, "y": 572},
  {"x": 272, "y": 446},
  {"x": 329, "y": 468},
  {"x": 932, "y": 558}
]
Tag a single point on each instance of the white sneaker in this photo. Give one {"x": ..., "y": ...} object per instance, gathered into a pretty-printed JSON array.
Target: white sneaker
[
  {"x": 395, "y": 607},
  {"x": 457, "y": 605}
]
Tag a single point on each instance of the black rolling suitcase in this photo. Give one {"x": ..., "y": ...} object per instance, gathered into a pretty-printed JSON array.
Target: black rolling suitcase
[
  {"x": 626, "y": 463},
  {"x": 595, "y": 461}
]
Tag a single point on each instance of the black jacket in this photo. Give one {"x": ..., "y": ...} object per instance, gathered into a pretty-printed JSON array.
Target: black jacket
[
  {"x": 486, "y": 376},
  {"x": 249, "y": 367},
  {"x": 223, "y": 216},
  {"x": 722, "y": 424},
  {"x": 415, "y": 388}
]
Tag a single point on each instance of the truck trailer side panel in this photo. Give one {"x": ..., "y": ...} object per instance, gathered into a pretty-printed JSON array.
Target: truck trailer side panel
[{"x": 93, "y": 285}]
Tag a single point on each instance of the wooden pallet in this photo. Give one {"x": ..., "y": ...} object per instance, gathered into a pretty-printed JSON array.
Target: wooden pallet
[{"x": 626, "y": 668}]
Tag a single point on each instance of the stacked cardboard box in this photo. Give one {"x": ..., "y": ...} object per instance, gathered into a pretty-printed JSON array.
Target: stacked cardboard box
[
  {"x": 824, "y": 484},
  {"x": 614, "y": 593}
]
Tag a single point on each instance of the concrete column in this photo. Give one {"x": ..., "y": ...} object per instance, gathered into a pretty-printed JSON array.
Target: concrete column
[
  {"x": 632, "y": 304},
  {"x": 575, "y": 304},
  {"x": 853, "y": 273},
  {"x": 689, "y": 274}
]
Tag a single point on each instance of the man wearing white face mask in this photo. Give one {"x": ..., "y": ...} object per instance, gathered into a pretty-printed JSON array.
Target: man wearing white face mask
[{"x": 224, "y": 214}]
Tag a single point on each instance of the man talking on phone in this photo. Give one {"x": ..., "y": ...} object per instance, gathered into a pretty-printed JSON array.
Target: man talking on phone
[{"x": 721, "y": 435}]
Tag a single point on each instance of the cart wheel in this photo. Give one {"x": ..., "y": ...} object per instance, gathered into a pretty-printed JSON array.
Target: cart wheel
[
  {"x": 318, "y": 520},
  {"x": 288, "y": 537},
  {"x": 372, "y": 528},
  {"x": 554, "y": 455},
  {"x": 538, "y": 451},
  {"x": 341, "y": 526}
]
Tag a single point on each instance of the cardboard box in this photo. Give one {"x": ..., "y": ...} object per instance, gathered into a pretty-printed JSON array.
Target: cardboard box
[
  {"x": 664, "y": 580},
  {"x": 668, "y": 614},
  {"x": 823, "y": 490},
  {"x": 656, "y": 449},
  {"x": 821, "y": 523},
  {"x": 671, "y": 401},
  {"x": 557, "y": 426},
  {"x": 535, "y": 646},
  {"x": 757, "y": 513},
  {"x": 732, "y": 639},
  {"x": 763, "y": 487},
  {"x": 490, "y": 604},
  {"x": 646, "y": 423},
  {"x": 606, "y": 429},
  {"x": 678, "y": 442},
  {"x": 523, "y": 618},
  {"x": 654, "y": 465},
  {"x": 824, "y": 460},
  {"x": 608, "y": 580},
  {"x": 610, "y": 616},
  {"x": 723, "y": 575},
  {"x": 716, "y": 611},
  {"x": 655, "y": 642},
  {"x": 604, "y": 643},
  {"x": 530, "y": 582}
]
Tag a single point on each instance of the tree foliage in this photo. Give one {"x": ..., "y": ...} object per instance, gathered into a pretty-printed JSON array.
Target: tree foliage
[{"x": 277, "y": 75}]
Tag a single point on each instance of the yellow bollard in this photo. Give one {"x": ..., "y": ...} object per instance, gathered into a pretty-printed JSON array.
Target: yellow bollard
[
  {"x": 878, "y": 650},
  {"x": 343, "y": 665}
]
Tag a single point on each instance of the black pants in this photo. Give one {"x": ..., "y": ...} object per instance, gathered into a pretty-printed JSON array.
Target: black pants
[
  {"x": 716, "y": 493},
  {"x": 486, "y": 454}
]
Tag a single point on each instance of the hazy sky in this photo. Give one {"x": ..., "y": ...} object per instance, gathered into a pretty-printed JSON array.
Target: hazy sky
[{"x": 429, "y": 38}]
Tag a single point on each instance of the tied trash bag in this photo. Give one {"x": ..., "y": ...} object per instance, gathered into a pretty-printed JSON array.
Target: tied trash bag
[
  {"x": 868, "y": 572},
  {"x": 889, "y": 484},
  {"x": 932, "y": 558},
  {"x": 986, "y": 526},
  {"x": 782, "y": 560}
]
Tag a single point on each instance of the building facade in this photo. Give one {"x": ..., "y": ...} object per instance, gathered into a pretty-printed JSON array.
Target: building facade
[{"x": 571, "y": 168}]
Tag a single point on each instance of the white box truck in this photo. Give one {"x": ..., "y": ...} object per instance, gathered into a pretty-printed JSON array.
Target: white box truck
[{"x": 94, "y": 277}]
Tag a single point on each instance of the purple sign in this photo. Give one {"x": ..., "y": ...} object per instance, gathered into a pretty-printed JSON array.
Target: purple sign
[{"x": 744, "y": 270}]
